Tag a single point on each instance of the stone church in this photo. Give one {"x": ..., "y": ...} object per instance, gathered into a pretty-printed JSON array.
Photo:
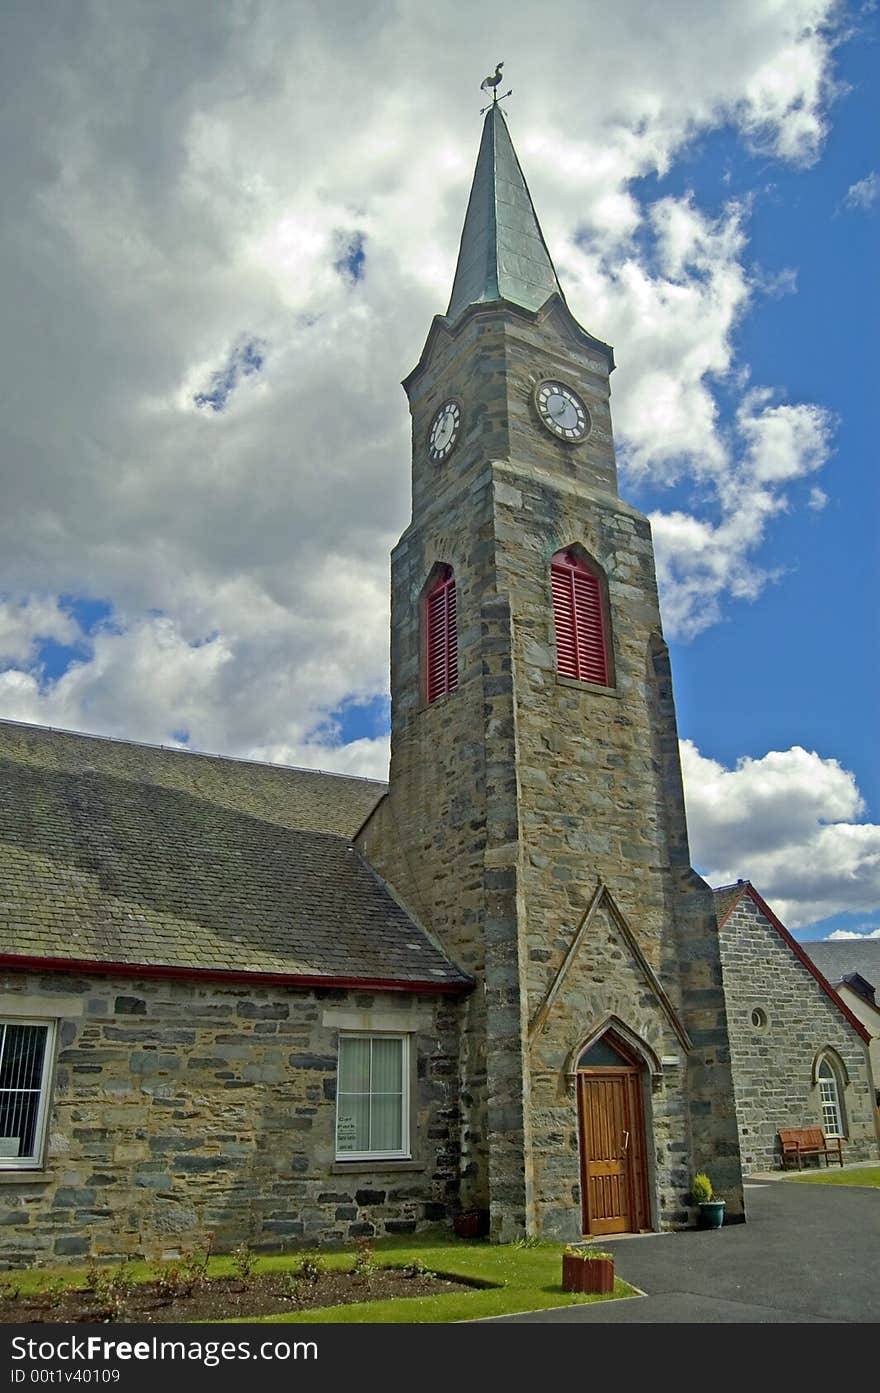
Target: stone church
[{"x": 281, "y": 1006}]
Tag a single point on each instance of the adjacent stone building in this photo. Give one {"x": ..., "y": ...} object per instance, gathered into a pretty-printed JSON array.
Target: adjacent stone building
[
  {"x": 852, "y": 966},
  {"x": 800, "y": 1054},
  {"x": 194, "y": 961},
  {"x": 273, "y": 1005}
]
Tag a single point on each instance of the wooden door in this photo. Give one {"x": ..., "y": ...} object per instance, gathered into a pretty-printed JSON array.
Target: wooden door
[{"x": 613, "y": 1189}]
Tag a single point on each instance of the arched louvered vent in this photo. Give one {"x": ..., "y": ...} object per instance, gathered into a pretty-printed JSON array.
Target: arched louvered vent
[
  {"x": 442, "y": 636},
  {"x": 578, "y": 614}
]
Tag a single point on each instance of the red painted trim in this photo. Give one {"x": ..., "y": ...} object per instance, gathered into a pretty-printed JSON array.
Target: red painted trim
[
  {"x": 749, "y": 889},
  {"x": 23, "y": 962}
]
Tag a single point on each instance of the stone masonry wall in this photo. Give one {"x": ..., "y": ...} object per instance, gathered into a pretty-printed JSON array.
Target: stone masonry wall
[
  {"x": 509, "y": 796},
  {"x": 446, "y": 836},
  {"x": 182, "y": 1110},
  {"x": 601, "y": 796},
  {"x": 773, "y": 1065}
]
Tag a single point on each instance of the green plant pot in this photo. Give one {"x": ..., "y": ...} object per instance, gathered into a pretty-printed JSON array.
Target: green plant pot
[{"x": 711, "y": 1214}]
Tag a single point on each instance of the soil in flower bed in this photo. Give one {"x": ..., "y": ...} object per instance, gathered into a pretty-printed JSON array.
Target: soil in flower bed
[{"x": 222, "y": 1298}]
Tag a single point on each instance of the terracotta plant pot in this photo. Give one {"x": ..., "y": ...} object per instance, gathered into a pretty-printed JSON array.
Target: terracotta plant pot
[
  {"x": 587, "y": 1274},
  {"x": 473, "y": 1223}
]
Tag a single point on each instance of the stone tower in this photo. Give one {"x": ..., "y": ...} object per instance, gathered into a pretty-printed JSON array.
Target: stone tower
[{"x": 535, "y": 819}]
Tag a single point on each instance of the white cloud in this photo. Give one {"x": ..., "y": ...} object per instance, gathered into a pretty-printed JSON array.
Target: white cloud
[
  {"x": 817, "y": 500},
  {"x": 788, "y": 823},
  {"x": 24, "y": 623},
  {"x": 864, "y": 193},
  {"x": 179, "y": 180},
  {"x": 863, "y": 934},
  {"x": 700, "y": 562}
]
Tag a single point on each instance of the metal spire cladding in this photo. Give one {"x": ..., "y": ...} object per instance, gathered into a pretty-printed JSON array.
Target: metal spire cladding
[{"x": 503, "y": 255}]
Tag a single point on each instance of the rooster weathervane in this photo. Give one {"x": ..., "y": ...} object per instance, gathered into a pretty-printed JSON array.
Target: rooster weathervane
[{"x": 493, "y": 82}]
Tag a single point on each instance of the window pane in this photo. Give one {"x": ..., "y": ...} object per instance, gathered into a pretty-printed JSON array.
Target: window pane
[
  {"x": 21, "y": 1065},
  {"x": 353, "y": 1122},
  {"x": 22, "y": 1054},
  {"x": 371, "y": 1102},
  {"x": 354, "y": 1065},
  {"x": 387, "y": 1055},
  {"x": 387, "y": 1122},
  {"x": 18, "y": 1123}
]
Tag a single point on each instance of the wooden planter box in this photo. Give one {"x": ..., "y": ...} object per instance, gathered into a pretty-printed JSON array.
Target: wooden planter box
[{"x": 587, "y": 1274}]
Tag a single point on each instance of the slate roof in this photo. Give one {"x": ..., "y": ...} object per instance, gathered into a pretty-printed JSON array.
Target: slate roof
[
  {"x": 117, "y": 853},
  {"x": 726, "y": 897},
  {"x": 503, "y": 254},
  {"x": 846, "y": 955}
]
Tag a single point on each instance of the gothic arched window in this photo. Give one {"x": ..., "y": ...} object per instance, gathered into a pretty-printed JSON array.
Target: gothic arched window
[
  {"x": 579, "y": 619},
  {"x": 829, "y": 1098},
  {"x": 441, "y": 635}
]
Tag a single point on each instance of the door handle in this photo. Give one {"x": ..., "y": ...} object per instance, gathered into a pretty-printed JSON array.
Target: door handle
[{"x": 625, "y": 1142}]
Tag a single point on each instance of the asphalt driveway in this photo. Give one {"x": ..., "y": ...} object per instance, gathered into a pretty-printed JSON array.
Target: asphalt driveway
[{"x": 808, "y": 1253}]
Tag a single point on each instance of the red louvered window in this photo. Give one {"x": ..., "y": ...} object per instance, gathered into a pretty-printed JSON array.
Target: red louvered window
[
  {"x": 578, "y": 614},
  {"x": 442, "y": 636}
]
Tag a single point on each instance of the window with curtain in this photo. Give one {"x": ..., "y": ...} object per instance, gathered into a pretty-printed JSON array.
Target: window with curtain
[
  {"x": 829, "y": 1099},
  {"x": 579, "y": 620},
  {"x": 372, "y": 1097},
  {"x": 25, "y": 1059},
  {"x": 441, "y": 638}
]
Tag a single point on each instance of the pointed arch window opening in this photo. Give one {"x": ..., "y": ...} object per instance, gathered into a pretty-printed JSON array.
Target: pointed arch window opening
[
  {"x": 829, "y": 1099},
  {"x": 579, "y": 620},
  {"x": 441, "y": 636},
  {"x": 607, "y": 1053}
]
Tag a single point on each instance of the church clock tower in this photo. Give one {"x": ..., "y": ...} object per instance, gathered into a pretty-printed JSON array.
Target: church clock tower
[{"x": 535, "y": 818}]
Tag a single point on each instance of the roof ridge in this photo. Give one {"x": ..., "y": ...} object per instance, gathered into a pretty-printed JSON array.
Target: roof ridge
[{"x": 184, "y": 750}]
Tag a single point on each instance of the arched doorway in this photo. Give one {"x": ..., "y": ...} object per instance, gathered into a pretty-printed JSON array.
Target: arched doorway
[{"x": 611, "y": 1123}]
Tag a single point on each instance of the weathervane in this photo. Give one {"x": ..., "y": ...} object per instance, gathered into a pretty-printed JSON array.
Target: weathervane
[{"x": 493, "y": 81}]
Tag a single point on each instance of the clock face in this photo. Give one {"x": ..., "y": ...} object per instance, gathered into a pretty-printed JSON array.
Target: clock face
[
  {"x": 444, "y": 430},
  {"x": 562, "y": 411}
]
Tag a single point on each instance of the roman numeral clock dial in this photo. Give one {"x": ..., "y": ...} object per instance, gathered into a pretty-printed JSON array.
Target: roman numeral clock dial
[{"x": 562, "y": 412}]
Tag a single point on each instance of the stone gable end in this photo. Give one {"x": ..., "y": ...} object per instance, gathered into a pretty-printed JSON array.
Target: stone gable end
[{"x": 773, "y": 1063}]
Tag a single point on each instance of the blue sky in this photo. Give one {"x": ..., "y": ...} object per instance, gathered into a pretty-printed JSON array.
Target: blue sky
[
  {"x": 212, "y": 292},
  {"x": 801, "y": 663}
]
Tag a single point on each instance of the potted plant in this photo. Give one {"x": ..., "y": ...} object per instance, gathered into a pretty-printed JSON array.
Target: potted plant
[
  {"x": 473, "y": 1223},
  {"x": 587, "y": 1270},
  {"x": 711, "y": 1208}
]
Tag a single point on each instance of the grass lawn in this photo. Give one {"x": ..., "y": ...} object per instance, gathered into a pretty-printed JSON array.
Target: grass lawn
[
  {"x": 857, "y": 1175},
  {"x": 516, "y": 1279},
  {"x": 529, "y": 1279}
]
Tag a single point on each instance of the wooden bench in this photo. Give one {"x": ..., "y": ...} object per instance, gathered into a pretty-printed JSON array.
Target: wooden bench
[{"x": 798, "y": 1142}]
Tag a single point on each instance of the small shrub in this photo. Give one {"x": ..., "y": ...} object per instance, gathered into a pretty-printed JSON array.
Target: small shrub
[
  {"x": 291, "y": 1287},
  {"x": 173, "y": 1281},
  {"x": 528, "y": 1240},
  {"x": 417, "y": 1268},
  {"x": 243, "y": 1261},
  {"x": 585, "y": 1254},
  {"x": 9, "y": 1291},
  {"x": 701, "y": 1188},
  {"x": 54, "y": 1293},
  {"x": 109, "y": 1290},
  {"x": 364, "y": 1261},
  {"x": 310, "y": 1268},
  {"x": 194, "y": 1263}
]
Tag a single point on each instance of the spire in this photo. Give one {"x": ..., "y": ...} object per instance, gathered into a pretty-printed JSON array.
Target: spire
[{"x": 503, "y": 255}]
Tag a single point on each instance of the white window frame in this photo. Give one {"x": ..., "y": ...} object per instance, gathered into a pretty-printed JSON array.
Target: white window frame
[
  {"x": 36, "y": 1160},
  {"x": 405, "y": 1152},
  {"x": 829, "y": 1098}
]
